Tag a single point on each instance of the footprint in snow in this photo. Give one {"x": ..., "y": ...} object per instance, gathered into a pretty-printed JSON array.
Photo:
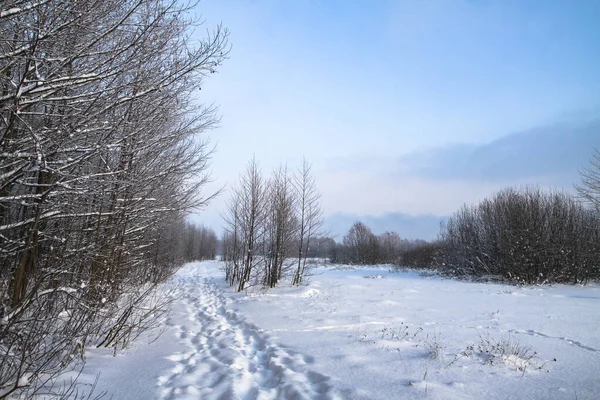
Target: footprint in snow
[{"x": 229, "y": 358}]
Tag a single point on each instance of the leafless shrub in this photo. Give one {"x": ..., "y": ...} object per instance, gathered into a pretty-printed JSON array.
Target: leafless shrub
[
  {"x": 433, "y": 345},
  {"x": 507, "y": 350},
  {"x": 420, "y": 256},
  {"x": 400, "y": 333}
]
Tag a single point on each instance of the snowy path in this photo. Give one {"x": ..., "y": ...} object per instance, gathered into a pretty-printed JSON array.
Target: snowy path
[{"x": 228, "y": 358}]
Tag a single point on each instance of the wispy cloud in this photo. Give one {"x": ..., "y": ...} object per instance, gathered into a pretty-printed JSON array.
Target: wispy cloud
[
  {"x": 438, "y": 181},
  {"x": 548, "y": 156}
]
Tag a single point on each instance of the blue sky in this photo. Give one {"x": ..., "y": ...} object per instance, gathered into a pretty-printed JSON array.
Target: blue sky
[{"x": 406, "y": 107}]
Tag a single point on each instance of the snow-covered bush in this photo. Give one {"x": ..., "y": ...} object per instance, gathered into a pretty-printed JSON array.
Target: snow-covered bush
[{"x": 506, "y": 350}]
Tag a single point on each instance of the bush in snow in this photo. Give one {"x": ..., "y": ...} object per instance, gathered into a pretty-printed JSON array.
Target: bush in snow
[
  {"x": 433, "y": 345},
  {"x": 420, "y": 256}
]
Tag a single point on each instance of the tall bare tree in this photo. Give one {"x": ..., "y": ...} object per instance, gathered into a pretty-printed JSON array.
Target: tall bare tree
[
  {"x": 309, "y": 215},
  {"x": 249, "y": 217},
  {"x": 281, "y": 225}
]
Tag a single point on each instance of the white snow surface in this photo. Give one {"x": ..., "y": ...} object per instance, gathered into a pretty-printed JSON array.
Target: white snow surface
[{"x": 363, "y": 333}]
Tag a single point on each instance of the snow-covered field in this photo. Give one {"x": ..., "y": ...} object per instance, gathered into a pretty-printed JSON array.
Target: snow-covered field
[{"x": 364, "y": 333}]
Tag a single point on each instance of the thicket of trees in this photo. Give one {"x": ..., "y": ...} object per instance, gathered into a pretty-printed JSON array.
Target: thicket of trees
[
  {"x": 522, "y": 236},
  {"x": 527, "y": 236},
  {"x": 99, "y": 161},
  {"x": 270, "y": 226}
]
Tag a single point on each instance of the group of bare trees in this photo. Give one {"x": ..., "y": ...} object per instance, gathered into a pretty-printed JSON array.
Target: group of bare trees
[
  {"x": 525, "y": 236},
  {"x": 99, "y": 161},
  {"x": 360, "y": 246},
  {"x": 270, "y": 226}
]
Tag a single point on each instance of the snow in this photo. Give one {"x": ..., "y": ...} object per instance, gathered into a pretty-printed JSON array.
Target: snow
[{"x": 363, "y": 333}]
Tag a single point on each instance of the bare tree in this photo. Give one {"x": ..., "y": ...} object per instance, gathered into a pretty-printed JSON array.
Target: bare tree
[
  {"x": 361, "y": 245},
  {"x": 280, "y": 226},
  {"x": 200, "y": 242},
  {"x": 249, "y": 217},
  {"x": 390, "y": 247},
  {"x": 309, "y": 215}
]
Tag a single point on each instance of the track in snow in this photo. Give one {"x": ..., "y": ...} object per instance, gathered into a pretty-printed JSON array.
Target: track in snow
[
  {"x": 572, "y": 342},
  {"x": 228, "y": 358}
]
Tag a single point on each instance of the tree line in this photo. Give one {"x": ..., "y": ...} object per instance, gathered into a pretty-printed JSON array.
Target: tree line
[
  {"x": 360, "y": 246},
  {"x": 271, "y": 224},
  {"x": 100, "y": 159}
]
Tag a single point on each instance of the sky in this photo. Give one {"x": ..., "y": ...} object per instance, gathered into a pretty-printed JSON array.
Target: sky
[{"x": 406, "y": 109}]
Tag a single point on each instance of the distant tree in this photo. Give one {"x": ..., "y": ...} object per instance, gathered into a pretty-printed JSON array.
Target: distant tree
[
  {"x": 361, "y": 245},
  {"x": 322, "y": 247},
  {"x": 200, "y": 243},
  {"x": 390, "y": 247}
]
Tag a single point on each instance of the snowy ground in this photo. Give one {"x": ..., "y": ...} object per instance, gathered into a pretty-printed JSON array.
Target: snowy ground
[{"x": 364, "y": 333}]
